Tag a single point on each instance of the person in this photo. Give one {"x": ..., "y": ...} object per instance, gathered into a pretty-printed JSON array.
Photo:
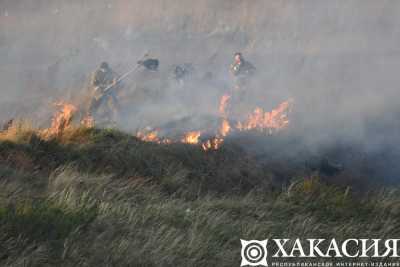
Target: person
[
  {"x": 104, "y": 103},
  {"x": 7, "y": 125},
  {"x": 242, "y": 70},
  {"x": 182, "y": 72}
]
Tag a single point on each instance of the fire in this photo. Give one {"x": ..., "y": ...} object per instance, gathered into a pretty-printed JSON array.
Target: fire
[
  {"x": 151, "y": 136},
  {"x": 62, "y": 118},
  {"x": 191, "y": 137},
  {"x": 225, "y": 128},
  {"x": 212, "y": 144},
  {"x": 277, "y": 119},
  {"x": 260, "y": 120}
]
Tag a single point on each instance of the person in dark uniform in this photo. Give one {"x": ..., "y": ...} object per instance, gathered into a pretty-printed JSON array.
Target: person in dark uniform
[
  {"x": 104, "y": 103},
  {"x": 242, "y": 71}
]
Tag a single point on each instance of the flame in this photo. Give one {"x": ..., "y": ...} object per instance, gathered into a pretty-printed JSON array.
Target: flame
[
  {"x": 191, "y": 137},
  {"x": 225, "y": 128},
  {"x": 151, "y": 136},
  {"x": 260, "y": 120},
  {"x": 212, "y": 144},
  {"x": 277, "y": 119},
  {"x": 62, "y": 118}
]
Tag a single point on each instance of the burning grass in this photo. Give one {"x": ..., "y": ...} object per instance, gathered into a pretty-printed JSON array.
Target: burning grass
[
  {"x": 207, "y": 139},
  {"x": 258, "y": 120}
]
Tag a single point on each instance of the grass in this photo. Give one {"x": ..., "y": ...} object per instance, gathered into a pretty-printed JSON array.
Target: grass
[
  {"x": 42, "y": 220},
  {"x": 103, "y": 198},
  {"x": 180, "y": 168}
]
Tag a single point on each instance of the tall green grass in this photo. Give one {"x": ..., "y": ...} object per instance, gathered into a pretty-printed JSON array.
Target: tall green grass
[{"x": 102, "y": 198}]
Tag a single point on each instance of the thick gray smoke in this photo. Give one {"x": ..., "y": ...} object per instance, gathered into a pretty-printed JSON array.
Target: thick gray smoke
[{"x": 339, "y": 60}]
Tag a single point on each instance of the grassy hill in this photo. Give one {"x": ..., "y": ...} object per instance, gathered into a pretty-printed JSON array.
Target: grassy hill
[{"x": 103, "y": 198}]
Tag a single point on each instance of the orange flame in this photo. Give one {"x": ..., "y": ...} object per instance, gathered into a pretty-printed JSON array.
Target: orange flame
[
  {"x": 151, "y": 136},
  {"x": 260, "y": 120},
  {"x": 277, "y": 119},
  {"x": 225, "y": 128},
  {"x": 191, "y": 137},
  {"x": 212, "y": 144},
  {"x": 62, "y": 119}
]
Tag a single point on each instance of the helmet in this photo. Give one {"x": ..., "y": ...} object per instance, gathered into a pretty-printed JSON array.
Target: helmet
[{"x": 104, "y": 65}]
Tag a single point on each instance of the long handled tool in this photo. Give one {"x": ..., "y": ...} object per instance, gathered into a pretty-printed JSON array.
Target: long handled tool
[
  {"x": 96, "y": 102},
  {"x": 122, "y": 77}
]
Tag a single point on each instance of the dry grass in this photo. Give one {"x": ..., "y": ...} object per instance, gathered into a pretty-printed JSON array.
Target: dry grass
[{"x": 102, "y": 198}]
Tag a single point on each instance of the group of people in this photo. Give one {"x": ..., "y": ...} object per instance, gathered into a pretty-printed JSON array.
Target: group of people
[{"x": 104, "y": 102}]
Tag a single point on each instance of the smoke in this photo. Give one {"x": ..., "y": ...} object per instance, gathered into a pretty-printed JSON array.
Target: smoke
[{"x": 338, "y": 60}]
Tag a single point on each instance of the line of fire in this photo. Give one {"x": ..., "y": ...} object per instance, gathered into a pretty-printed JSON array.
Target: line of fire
[{"x": 250, "y": 119}]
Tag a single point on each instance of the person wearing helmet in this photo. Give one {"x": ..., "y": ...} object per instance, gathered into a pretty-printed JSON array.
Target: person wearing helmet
[
  {"x": 241, "y": 69},
  {"x": 102, "y": 77},
  {"x": 104, "y": 103}
]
